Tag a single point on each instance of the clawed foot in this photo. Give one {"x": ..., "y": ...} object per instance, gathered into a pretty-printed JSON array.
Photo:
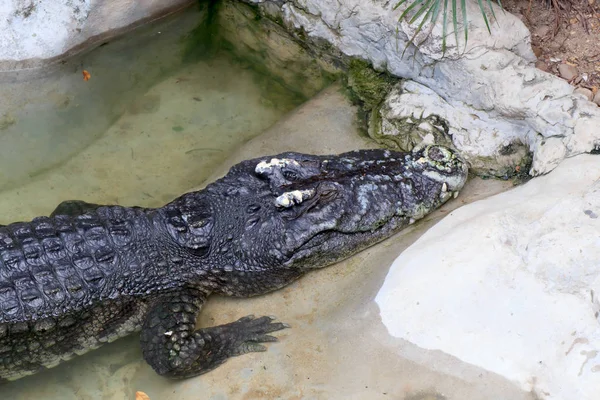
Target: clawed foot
[
  {"x": 250, "y": 332},
  {"x": 174, "y": 349}
]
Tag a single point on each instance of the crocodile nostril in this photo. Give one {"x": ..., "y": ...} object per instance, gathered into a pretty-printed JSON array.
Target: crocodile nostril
[{"x": 252, "y": 208}]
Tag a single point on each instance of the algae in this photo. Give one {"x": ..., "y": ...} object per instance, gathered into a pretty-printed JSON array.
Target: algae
[
  {"x": 368, "y": 86},
  {"x": 203, "y": 42},
  {"x": 258, "y": 41},
  {"x": 6, "y": 121},
  {"x": 367, "y": 89}
]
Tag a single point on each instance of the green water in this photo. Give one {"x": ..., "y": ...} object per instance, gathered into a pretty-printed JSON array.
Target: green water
[{"x": 148, "y": 125}]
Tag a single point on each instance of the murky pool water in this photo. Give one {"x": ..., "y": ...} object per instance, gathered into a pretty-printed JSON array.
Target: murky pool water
[
  {"x": 151, "y": 123},
  {"x": 148, "y": 124}
]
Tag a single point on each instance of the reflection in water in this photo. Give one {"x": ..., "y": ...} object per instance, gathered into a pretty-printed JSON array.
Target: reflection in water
[{"x": 166, "y": 142}]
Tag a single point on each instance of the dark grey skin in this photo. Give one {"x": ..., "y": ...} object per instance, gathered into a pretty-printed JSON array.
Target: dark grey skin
[{"x": 90, "y": 274}]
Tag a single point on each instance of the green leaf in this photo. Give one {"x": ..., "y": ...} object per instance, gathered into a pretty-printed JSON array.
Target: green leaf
[
  {"x": 489, "y": 2},
  {"x": 431, "y": 9},
  {"x": 420, "y": 12},
  {"x": 436, "y": 11},
  {"x": 480, "y": 2},
  {"x": 445, "y": 27},
  {"x": 409, "y": 9},
  {"x": 455, "y": 21},
  {"x": 465, "y": 21}
]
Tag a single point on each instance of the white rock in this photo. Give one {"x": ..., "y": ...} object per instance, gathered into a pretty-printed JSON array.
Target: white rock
[
  {"x": 511, "y": 284},
  {"x": 494, "y": 73},
  {"x": 43, "y": 29},
  {"x": 475, "y": 133}
]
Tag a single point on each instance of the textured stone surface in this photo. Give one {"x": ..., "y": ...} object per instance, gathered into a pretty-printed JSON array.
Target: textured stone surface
[
  {"x": 31, "y": 30},
  {"x": 494, "y": 73},
  {"x": 587, "y": 93},
  {"x": 268, "y": 48},
  {"x": 597, "y": 98},
  {"x": 567, "y": 71},
  {"x": 49, "y": 114},
  {"x": 511, "y": 284},
  {"x": 413, "y": 109}
]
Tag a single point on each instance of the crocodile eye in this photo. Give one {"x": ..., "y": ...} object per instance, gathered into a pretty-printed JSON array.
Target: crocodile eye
[
  {"x": 328, "y": 194},
  {"x": 437, "y": 153}
]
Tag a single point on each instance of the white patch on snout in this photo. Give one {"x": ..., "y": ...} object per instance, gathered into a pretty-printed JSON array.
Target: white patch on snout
[
  {"x": 265, "y": 167},
  {"x": 294, "y": 197}
]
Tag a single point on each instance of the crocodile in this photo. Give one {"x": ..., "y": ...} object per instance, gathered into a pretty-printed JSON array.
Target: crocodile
[{"x": 89, "y": 274}]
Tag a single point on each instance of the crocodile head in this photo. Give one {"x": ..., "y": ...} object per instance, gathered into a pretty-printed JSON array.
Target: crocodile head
[{"x": 305, "y": 211}]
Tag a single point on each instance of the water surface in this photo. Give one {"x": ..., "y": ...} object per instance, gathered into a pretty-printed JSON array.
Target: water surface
[{"x": 147, "y": 126}]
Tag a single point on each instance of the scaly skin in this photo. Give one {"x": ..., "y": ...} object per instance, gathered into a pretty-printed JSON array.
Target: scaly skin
[{"x": 90, "y": 274}]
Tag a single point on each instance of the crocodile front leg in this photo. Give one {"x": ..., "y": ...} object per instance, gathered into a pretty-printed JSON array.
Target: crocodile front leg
[{"x": 174, "y": 349}]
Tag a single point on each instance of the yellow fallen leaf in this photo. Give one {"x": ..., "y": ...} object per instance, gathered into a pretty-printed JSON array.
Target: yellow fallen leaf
[
  {"x": 86, "y": 75},
  {"x": 141, "y": 396}
]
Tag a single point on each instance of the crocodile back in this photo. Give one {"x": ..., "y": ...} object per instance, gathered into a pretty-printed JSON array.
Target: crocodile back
[{"x": 53, "y": 266}]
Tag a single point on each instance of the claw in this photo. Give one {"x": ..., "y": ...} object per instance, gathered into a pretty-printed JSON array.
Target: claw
[{"x": 267, "y": 338}]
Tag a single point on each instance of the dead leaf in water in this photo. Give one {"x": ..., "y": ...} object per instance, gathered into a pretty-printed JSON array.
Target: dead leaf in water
[
  {"x": 86, "y": 75},
  {"x": 141, "y": 396}
]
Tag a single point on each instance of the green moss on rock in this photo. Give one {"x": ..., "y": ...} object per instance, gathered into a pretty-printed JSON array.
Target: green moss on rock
[
  {"x": 204, "y": 41},
  {"x": 367, "y": 85}
]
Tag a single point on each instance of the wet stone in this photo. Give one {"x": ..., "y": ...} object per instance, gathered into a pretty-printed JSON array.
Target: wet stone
[
  {"x": 587, "y": 93},
  {"x": 542, "y": 66},
  {"x": 567, "y": 71}
]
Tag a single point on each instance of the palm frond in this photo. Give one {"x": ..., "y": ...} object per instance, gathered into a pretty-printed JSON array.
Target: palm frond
[{"x": 431, "y": 9}]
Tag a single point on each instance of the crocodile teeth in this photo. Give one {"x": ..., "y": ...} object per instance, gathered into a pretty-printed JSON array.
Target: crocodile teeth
[
  {"x": 445, "y": 187},
  {"x": 456, "y": 194},
  {"x": 445, "y": 195}
]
